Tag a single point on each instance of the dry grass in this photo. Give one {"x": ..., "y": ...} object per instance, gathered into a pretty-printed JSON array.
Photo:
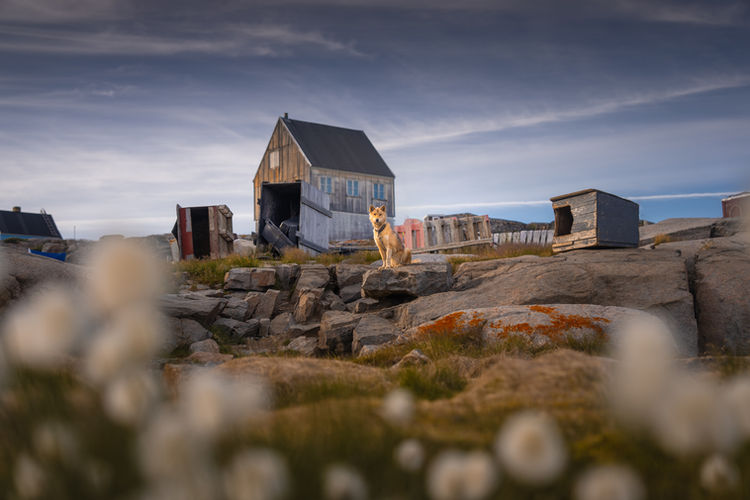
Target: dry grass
[
  {"x": 211, "y": 271},
  {"x": 504, "y": 251},
  {"x": 662, "y": 238},
  {"x": 294, "y": 255}
]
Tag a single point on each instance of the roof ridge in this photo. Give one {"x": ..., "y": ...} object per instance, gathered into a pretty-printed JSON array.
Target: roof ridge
[{"x": 323, "y": 124}]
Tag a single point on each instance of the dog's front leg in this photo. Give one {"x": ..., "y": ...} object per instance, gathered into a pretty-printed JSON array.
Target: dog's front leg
[
  {"x": 388, "y": 257},
  {"x": 381, "y": 250}
]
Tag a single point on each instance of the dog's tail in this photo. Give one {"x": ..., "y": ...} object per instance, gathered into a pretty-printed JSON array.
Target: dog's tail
[{"x": 407, "y": 256}]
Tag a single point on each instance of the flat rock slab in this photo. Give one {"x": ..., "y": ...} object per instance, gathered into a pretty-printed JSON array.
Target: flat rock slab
[
  {"x": 678, "y": 229},
  {"x": 307, "y": 346},
  {"x": 373, "y": 330},
  {"x": 557, "y": 324},
  {"x": 654, "y": 281},
  {"x": 350, "y": 274},
  {"x": 193, "y": 306},
  {"x": 238, "y": 309},
  {"x": 250, "y": 278},
  {"x": 266, "y": 305},
  {"x": 336, "y": 331},
  {"x": 237, "y": 330},
  {"x": 722, "y": 283},
  {"x": 313, "y": 276},
  {"x": 414, "y": 280}
]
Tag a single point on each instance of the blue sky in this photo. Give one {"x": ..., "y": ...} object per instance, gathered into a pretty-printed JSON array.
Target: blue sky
[{"x": 113, "y": 111}]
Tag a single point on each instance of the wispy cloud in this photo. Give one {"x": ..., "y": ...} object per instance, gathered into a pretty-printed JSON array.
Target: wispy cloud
[
  {"x": 59, "y": 11},
  {"x": 411, "y": 133},
  {"x": 229, "y": 40}
]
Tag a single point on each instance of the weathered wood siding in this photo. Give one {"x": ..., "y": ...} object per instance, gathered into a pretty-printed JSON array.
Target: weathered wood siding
[
  {"x": 341, "y": 202},
  {"x": 617, "y": 221},
  {"x": 292, "y": 163}
]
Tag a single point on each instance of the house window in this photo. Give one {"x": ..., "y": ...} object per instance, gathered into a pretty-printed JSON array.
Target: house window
[
  {"x": 325, "y": 184},
  {"x": 274, "y": 159},
  {"x": 352, "y": 187},
  {"x": 378, "y": 191}
]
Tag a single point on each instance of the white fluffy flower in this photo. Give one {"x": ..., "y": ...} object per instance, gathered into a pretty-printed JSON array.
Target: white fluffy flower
[
  {"x": 645, "y": 351},
  {"x": 42, "y": 333},
  {"x": 692, "y": 417},
  {"x": 256, "y": 475},
  {"x": 398, "y": 407},
  {"x": 531, "y": 448},
  {"x": 718, "y": 475},
  {"x": 455, "y": 475},
  {"x": 210, "y": 401},
  {"x": 342, "y": 482},
  {"x": 609, "y": 482},
  {"x": 409, "y": 455},
  {"x": 131, "y": 339},
  {"x": 123, "y": 273},
  {"x": 28, "y": 477},
  {"x": 168, "y": 447},
  {"x": 737, "y": 397},
  {"x": 128, "y": 398},
  {"x": 55, "y": 440}
]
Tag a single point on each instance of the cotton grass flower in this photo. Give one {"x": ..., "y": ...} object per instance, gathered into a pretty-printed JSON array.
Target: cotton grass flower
[
  {"x": 609, "y": 482},
  {"x": 124, "y": 273},
  {"x": 531, "y": 448},
  {"x": 409, "y": 455},
  {"x": 456, "y": 475},
  {"x": 131, "y": 338},
  {"x": 169, "y": 449},
  {"x": 42, "y": 333},
  {"x": 55, "y": 440},
  {"x": 718, "y": 475},
  {"x": 737, "y": 398},
  {"x": 256, "y": 475},
  {"x": 343, "y": 482},
  {"x": 28, "y": 477},
  {"x": 398, "y": 407},
  {"x": 129, "y": 397}
]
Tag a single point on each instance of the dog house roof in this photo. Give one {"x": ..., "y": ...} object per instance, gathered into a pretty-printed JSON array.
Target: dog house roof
[
  {"x": 584, "y": 191},
  {"x": 337, "y": 148}
]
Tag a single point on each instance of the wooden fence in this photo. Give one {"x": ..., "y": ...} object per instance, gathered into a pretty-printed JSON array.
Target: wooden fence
[{"x": 537, "y": 237}]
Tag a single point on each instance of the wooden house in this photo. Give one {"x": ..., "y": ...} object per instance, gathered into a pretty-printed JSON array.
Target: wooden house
[
  {"x": 24, "y": 225},
  {"x": 341, "y": 162},
  {"x": 204, "y": 232},
  {"x": 594, "y": 219}
]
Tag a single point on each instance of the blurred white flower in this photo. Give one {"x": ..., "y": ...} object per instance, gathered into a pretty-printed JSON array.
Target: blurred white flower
[
  {"x": 609, "y": 482},
  {"x": 131, "y": 339},
  {"x": 168, "y": 448},
  {"x": 28, "y": 477},
  {"x": 737, "y": 397},
  {"x": 718, "y": 475},
  {"x": 531, "y": 448},
  {"x": 692, "y": 417},
  {"x": 398, "y": 407},
  {"x": 645, "y": 350},
  {"x": 123, "y": 273},
  {"x": 409, "y": 455},
  {"x": 128, "y": 398},
  {"x": 455, "y": 475},
  {"x": 342, "y": 482},
  {"x": 42, "y": 332},
  {"x": 55, "y": 440},
  {"x": 256, "y": 475},
  {"x": 211, "y": 402}
]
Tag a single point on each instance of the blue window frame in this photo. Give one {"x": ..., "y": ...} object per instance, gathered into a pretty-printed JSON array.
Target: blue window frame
[
  {"x": 325, "y": 184},
  {"x": 352, "y": 187},
  {"x": 378, "y": 191}
]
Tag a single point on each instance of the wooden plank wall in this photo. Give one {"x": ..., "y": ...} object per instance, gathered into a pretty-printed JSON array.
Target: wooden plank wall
[
  {"x": 292, "y": 163},
  {"x": 535, "y": 237},
  {"x": 341, "y": 202}
]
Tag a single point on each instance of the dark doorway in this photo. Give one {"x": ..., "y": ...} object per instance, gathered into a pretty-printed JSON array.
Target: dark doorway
[
  {"x": 201, "y": 237},
  {"x": 563, "y": 220}
]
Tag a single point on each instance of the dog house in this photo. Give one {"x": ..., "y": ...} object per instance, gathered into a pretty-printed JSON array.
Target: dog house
[
  {"x": 294, "y": 214},
  {"x": 204, "y": 231},
  {"x": 594, "y": 219}
]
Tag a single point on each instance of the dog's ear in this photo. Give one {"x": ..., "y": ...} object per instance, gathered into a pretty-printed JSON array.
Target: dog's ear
[
  {"x": 382, "y": 207},
  {"x": 371, "y": 208}
]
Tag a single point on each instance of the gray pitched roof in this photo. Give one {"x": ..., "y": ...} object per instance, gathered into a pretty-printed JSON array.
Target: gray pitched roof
[
  {"x": 337, "y": 148},
  {"x": 27, "y": 224}
]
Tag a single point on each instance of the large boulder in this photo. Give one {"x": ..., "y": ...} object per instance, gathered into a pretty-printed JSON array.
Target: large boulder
[
  {"x": 722, "y": 281},
  {"x": 182, "y": 332},
  {"x": 238, "y": 309},
  {"x": 281, "y": 324},
  {"x": 193, "y": 306},
  {"x": 250, "y": 278},
  {"x": 414, "y": 280},
  {"x": 559, "y": 324},
  {"x": 649, "y": 280},
  {"x": 286, "y": 275},
  {"x": 349, "y": 280},
  {"x": 686, "y": 228},
  {"x": 266, "y": 305},
  {"x": 373, "y": 330},
  {"x": 313, "y": 276},
  {"x": 336, "y": 331},
  {"x": 237, "y": 331},
  {"x": 307, "y": 346},
  {"x": 308, "y": 305}
]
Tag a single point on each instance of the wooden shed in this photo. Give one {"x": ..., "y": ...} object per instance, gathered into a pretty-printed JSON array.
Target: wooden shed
[
  {"x": 204, "y": 232},
  {"x": 737, "y": 205},
  {"x": 294, "y": 214},
  {"x": 340, "y": 162},
  {"x": 594, "y": 219}
]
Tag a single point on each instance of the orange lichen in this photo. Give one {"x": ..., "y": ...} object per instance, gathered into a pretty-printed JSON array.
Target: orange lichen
[
  {"x": 558, "y": 328},
  {"x": 452, "y": 324}
]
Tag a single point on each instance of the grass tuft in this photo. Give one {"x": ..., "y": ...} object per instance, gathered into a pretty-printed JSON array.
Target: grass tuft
[
  {"x": 211, "y": 271},
  {"x": 661, "y": 238},
  {"x": 439, "y": 382},
  {"x": 504, "y": 251}
]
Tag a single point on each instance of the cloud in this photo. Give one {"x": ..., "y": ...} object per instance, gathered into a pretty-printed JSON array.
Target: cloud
[
  {"x": 59, "y": 11},
  {"x": 416, "y": 133},
  {"x": 229, "y": 40}
]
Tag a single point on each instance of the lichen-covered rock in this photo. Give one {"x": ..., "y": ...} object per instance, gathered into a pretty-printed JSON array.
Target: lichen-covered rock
[{"x": 414, "y": 280}]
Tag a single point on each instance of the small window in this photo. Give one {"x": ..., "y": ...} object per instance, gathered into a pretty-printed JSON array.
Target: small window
[
  {"x": 378, "y": 191},
  {"x": 325, "y": 184},
  {"x": 352, "y": 188},
  {"x": 274, "y": 159}
]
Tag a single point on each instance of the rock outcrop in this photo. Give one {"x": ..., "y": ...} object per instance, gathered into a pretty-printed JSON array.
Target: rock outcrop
[{"x": 414, "y": 280}]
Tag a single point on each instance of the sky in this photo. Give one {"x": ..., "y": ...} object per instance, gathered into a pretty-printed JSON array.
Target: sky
[{"x": 114, "y": 111}]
